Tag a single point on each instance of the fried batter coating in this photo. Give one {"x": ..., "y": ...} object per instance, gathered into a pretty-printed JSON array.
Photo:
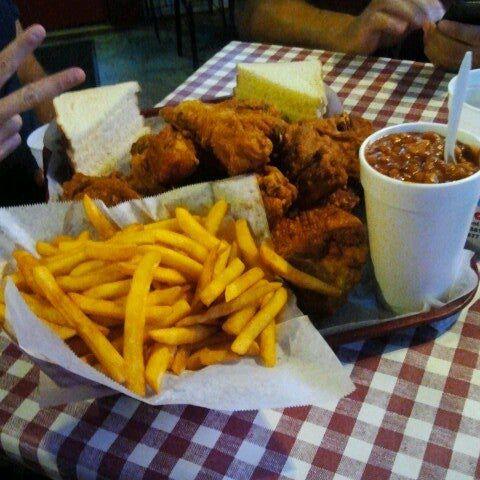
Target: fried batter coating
[
  {"x": 111, "y": 190},
  {"x": 320, "y": 156},
  {"x": 278, "y": 193},
  {"x": 328, "y": 243},
  {"x": 160, "y": 160},
  {"x": 238, "y": 133}
]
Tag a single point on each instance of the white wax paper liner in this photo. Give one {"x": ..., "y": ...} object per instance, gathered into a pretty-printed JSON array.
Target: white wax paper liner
[{"x": 307, "y": 371}]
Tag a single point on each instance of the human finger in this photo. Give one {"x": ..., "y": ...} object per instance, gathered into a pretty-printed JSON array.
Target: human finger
[
  {"x": 469, "y": 34},
  {"x": 414, "y": 12},
  {"x": 45, "y": 89},
  {"x": 14, "y": 53},
  {"x": 9, "y": 145},
  {"x": 10, "y": 127},
  {"x": 444, "y": 51}
]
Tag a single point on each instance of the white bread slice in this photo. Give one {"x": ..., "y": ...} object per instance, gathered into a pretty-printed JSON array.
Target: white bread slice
[
  {"x": 295, "y": 88},
  {"x": 100, "y": 124}
]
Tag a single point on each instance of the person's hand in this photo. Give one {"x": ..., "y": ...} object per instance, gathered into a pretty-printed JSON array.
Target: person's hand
[
  {"x": 447, "y": 43},
  {"x": 27, "y": 97},
  {"x": 385, "y": 22}
]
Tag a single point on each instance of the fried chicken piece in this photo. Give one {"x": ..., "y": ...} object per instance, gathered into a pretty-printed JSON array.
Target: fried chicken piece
[
  {"x": 238, "y": 133},
  {"x": 320, "y": 156},
  {"x": 344, "y": 198},
  {"x": 111, "y": 190},
  {"x": 278, "y": 193},
  {"x": 328, "y": 243},
  {"x": 162, "y": 159}
]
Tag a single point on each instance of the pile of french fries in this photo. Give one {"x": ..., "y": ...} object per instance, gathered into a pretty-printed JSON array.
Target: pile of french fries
[{"x": 172, "y": 295}]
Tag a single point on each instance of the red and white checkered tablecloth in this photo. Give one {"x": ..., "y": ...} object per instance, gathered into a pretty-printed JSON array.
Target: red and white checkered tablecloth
[{"x": 415, "y": 412}]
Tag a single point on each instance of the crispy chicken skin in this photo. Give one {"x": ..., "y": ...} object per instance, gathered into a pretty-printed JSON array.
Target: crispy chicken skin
[
  {"x": 326, "y": 242},
  {"x": 238, "y": 133},
  {"x": 111, "y": 190},
  {"x": 320, "y": 156},
  {"x": 278, "y": 193},
  {"x": 160, "y": 160}
]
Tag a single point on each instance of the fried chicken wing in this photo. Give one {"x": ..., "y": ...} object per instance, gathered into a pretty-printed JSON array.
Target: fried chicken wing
[
  {"x": 160, "y": 160},
  {"x": 320, "y": 156},
  {"x": 111, "y": 190},
  {"x": 328, "y": 243},
  {"x": 239, "y": 134},
  {"x": 278, "y": 193}
]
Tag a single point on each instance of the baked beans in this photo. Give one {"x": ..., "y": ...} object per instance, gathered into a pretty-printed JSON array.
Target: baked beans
[{"x": 418, "y": 158}]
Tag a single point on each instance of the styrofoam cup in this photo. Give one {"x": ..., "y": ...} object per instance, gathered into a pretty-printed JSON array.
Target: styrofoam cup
[
  {"x": 416, "y": 231},
  {"x": 35, "y": 143},
  {"x": 470, "y": 117}
]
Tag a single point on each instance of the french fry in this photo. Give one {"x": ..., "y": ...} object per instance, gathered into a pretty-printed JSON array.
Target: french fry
[
  {"x": 111, "y": 273},
  {"x": 194, "y": 230},
  {"x": 85, "y": 235},
  {"x": 179, "y": 362},
  {"x": 64, "y": 263},
  {"x": 105, "y": 251},
  {"x": 87, "y": 267},
  {"x": 92, "y": 336},
  {"x": 112, "y": 313},
  {"x": 135, "y": 317},
  {"x": 157, "y": 365},
  {"x": 268, "y": 346},
  {"x": 246, "y": 244},
  {"x": 193, "y": 362},
  {"x": 109, "y": 290},
  {"x": 250, "y": 296},
  {"x": 134, "y": 227},
  {"x": 101, "y": 224},
  {"x": 164, "y": 275},
  {"x": 236, "y": 321},
  {"x": 197, "y": 319},
  {"x": 205, "y": 277},
  {"x": 242, "y": 283},
  {"x": 18, "y": 279},
  {"x": 65, "y": 333},
  {"x": 26, "y": 263},
  {"x": 222, "y": 259},
  {"x": 222, "y": 353},
  {"x": 61, "y": 238},
  {"x": 301, "y": 279},
  {"x": 215, "y": 216},
  {"x": 260, "y": 320},
  {"x": 233, "y": 251},
  {"x": 141, "y": 237},
  {"x": 179, "y": 310},
  {"x": 44, "y": 310},
  {"x": 181, "y": 335},
  {"x": 181, "y": 242},
  {"x": 167, "y": 224},
  {"x": 166, "y": 296},
  {"x": 69, "y": 245},
  {"x": 45, "y": 249},
  {"x": 176, "y": 260},
  {"x": 217, "y": 286}
]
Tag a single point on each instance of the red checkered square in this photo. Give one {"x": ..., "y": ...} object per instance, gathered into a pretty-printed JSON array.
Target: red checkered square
[{"x": 438, "y": 455}]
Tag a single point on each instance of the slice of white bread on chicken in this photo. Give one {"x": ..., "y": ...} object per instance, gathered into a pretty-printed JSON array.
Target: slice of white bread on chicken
[
  {"x": 295, "y": 88},
  {"x": 100, "y": 125}
]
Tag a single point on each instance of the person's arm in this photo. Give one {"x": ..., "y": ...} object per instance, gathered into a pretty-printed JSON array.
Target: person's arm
[
  {"x": 447, "y": 42},
  {"x": 293, "y": 22},
  {"x": 297, "y": 22},
  {"x": 31, "y": 95},
  {"x": 30, "y": 71}
]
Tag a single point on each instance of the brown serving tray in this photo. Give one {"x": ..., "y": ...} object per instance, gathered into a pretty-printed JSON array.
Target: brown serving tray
[{"x": 415, "y": 320}]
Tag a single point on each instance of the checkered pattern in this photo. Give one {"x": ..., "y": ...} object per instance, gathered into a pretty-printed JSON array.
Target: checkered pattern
[{"x": 415, "y": 412}]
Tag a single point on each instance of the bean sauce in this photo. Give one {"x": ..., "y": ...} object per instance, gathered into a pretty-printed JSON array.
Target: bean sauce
[{"x": 418, "y": 158}]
